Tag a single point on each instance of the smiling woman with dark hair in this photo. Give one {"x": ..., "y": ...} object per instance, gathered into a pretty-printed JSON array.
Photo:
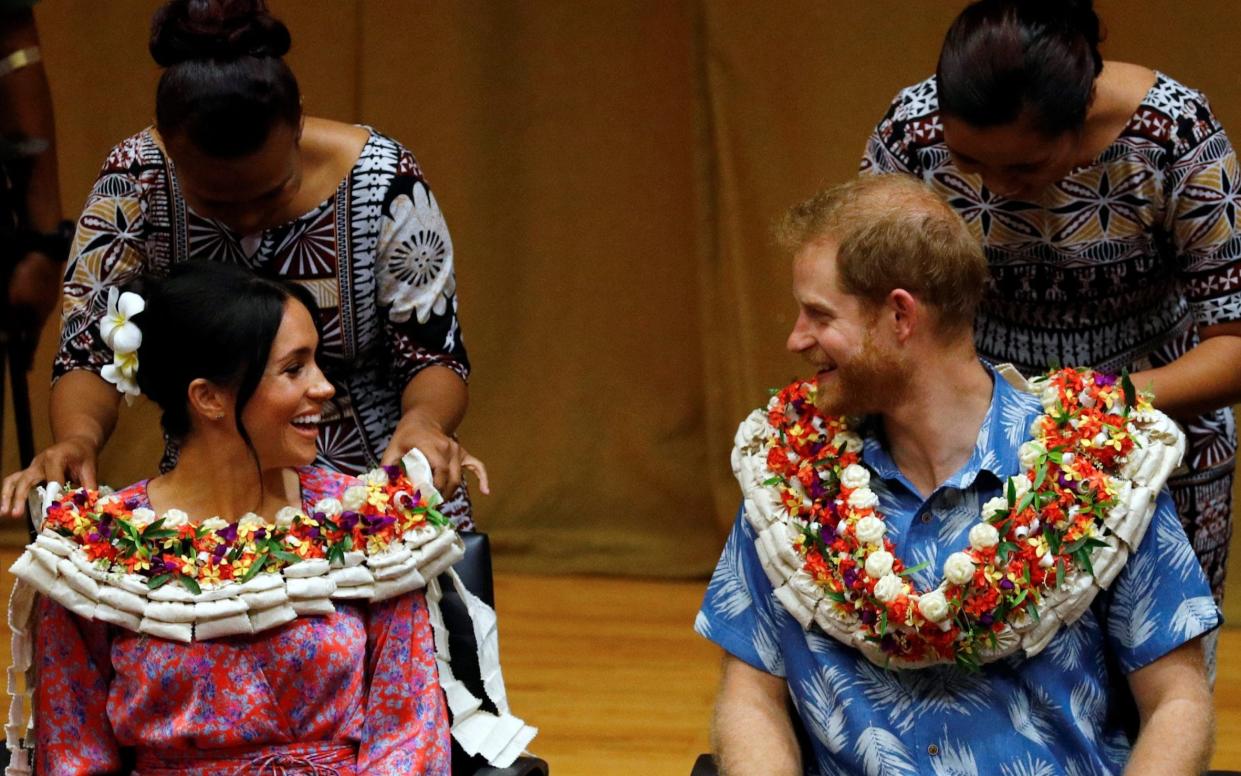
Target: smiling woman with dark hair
[
  {"x": 228, "y": 670},
  {"x": 1101, "y": 192},
  {"x": 233, "y": 172}
]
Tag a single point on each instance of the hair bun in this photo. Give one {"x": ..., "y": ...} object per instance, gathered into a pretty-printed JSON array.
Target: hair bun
[{"x": 185, "y": 30}]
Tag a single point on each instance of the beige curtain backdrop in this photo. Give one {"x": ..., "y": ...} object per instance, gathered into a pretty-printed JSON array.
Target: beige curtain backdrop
[{"x": 610, "y": 170}]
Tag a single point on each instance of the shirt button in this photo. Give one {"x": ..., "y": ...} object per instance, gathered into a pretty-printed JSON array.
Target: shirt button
[
  {"x": 926, "y": 517},
  {"x": 932, "y": 750}
]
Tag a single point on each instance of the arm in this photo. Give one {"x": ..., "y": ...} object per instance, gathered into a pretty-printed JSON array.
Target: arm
[
  {"x": 26, "y": 113},
  {"x": 83, "y": 413},
  {"x": 428, "y": 362},
  {"x": 432, "y": 406},
  {"x": 1177, "y": 725},
  {"x": 1199, "y": 186},
  {"x": 108, "y": 250},
  {"x": 751, "y": 731},
  {"x": 1205, "y": 378}
]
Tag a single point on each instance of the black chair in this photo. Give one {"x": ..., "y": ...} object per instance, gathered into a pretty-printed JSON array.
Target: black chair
[{"x": 475, "y": 571}]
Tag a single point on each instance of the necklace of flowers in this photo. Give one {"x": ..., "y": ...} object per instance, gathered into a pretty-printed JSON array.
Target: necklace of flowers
[
  {"x": 1059, "y": 533},
  {"x": 120, "y": 536}
]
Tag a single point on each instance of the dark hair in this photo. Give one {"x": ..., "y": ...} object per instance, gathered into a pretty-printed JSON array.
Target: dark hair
[
  {"x": 209, "y": 320},
  {"x": 225, "y": 83},
  {"x": 1005, "y": 58}
]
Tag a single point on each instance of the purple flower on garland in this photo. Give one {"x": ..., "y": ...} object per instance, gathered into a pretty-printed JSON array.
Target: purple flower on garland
[
  {"x": 850, "y": 576},
  {"x": 1104, "y": 380},
  {"x": 228, "y": 533},
  {"x": 393, "y": 471},
  {"x": 986, "y": 619},
  {"x": 1005, "y": 584}
]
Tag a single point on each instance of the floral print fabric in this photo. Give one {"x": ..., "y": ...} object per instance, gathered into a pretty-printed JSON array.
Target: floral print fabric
[
  {"x": 375, "y": 255},
  {"x": 1116, "y": 266},
  {"x": 363, "y": 678},
  {"x": 1064, "y": 711}
]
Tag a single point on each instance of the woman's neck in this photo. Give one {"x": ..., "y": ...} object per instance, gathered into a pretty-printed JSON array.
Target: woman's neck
[
  {"x": 1118, "y": 91},
  {"x": 216, "y": 478}
]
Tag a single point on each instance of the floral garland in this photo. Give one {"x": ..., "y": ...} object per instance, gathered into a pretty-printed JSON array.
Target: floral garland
[
  {"x": 1060, "y": 531},
  {"x": 120, "y": 536}
]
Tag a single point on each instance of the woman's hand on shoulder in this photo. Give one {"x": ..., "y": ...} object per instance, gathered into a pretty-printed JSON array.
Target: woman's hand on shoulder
[
  {"x": 73, "y": 459},
  {"x": 447, "y": 457}
]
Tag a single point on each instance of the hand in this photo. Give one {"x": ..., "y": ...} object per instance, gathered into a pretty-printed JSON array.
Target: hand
[
  {"x": 73, "y": 459},
  {"x": 446, "y": 456},
  {"x": 34, "y": 290}
]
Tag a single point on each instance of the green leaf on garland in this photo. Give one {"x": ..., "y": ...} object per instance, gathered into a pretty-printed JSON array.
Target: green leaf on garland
[
  {"x": 157, "y": 582},
  {"x": 1011, "y": 494},
  {"x": 1131, "y": 393},
  {"x": 767, "y": 483},
  {"x": 1026, "y": 501},
  {"x": 913, "y": 569},
  {"x": 190, "y": 584},
  {"x": 259, "y": 562},
  {"x": 883, "y": 622},
  {"x": 1040, "y": 475},
  {"x": 284, "y": 555},
  {"x": 1059, "y": 572}
]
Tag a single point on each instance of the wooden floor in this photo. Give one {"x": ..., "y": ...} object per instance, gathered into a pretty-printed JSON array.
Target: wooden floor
[{"x": 612, "y": 673}]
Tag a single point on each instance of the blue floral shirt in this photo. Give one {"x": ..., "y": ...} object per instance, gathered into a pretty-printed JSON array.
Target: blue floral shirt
[{"x": 1067, "y": 710}]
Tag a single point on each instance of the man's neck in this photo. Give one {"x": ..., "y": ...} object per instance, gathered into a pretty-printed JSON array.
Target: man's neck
[{"x": 932, "y": 433}]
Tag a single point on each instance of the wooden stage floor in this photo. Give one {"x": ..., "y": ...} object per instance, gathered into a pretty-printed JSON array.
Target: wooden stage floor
[{"x": 612, "y": 673}]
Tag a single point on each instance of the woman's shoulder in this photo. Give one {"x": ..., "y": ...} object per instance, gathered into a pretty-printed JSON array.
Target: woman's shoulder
[
  {"x": 917, "y": 101},
  {"x": 318, "y": 482},
  {"x": 134, "y": 153},
  {"x": 135, "y": 495},
  {"x": 1175, "y": 116}
]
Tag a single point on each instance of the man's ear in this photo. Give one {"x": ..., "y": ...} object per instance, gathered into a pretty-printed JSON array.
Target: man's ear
[
  {"x": 906, "y": 313},
  {"x": 208, "y": 401}
]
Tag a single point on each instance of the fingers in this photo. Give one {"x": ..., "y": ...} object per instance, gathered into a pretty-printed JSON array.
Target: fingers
[
  {"x": 15, "y": 489},
  {"x": 392, "y": 454},
  {"x": 480, "y": 471},
  {"x": 86, "y": 474},
  {"x": 454, "y": 470}
]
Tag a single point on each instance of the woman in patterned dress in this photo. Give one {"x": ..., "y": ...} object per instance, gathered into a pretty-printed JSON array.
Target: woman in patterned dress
[
  {"x": 233, "y": 172},
  {"x": 1105, "y": 196},
  {"x": 230, "y": 359}
]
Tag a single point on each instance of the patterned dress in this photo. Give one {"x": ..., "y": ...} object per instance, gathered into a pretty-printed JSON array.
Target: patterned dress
[
  {"x": 375, "y": 255},
  {"x": 1118, "y": 265},
  {"x": 353, "y": 692}
]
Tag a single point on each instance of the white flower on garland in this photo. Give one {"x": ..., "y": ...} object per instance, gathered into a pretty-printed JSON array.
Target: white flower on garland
[
  {"x": 870, "y": 530},
  {"x": 124, "y": 337},
  {"x": 175, "y": 518},
  {"x": 879, "y": 563},
  {"x": 329, "y": 506},
  {"x": 284, "y": 517},
  {"x": 863, "y": 498},
  {"x": 959, "y": 568},
  {"x": 854, "y": 476},
  {"x": 354, "y": 497},
  {"x": 889, "y": 587},
  {"x": 983, "y": 536},
  {"x": 933, "y": 605},
  {"x": 142, "y": 517}
]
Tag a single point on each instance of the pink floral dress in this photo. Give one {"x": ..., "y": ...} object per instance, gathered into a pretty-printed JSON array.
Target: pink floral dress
[{"x": 355, "y": 692}]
